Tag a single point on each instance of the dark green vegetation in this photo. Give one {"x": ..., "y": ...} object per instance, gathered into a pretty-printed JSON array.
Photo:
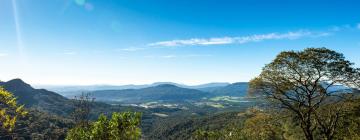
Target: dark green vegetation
[
  {"x": 123, "y": 126},
  {"x": 51, "y": 115},
  {"x": 273, "y": 124},
  {"x": 39, "y": 125},
  {"x": 310, "y": 94},
  {"x": 183, "y": 128}
]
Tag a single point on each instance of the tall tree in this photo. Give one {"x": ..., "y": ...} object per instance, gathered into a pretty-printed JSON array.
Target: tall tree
[
  {"x": 82, "y": 104},
  {"x": 301, "y": 82}
]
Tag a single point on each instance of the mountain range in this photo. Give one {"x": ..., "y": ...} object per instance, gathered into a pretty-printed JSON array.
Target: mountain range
[
  {"x": 161, "y": 91},
  {"x": 170, "y": 93},
  {"x": 46, "y": 103},
  {"x": 54, "y": 103},
  {"x": 70, "y": 90}
]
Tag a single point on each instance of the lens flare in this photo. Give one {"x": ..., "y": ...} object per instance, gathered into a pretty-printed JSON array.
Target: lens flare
[{"x": 19, "y": 40}]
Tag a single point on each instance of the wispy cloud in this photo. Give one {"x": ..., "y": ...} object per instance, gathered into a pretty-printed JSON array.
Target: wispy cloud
[
  {"x": 345, "y": 27},
  {"x": 238, "y": 40}
]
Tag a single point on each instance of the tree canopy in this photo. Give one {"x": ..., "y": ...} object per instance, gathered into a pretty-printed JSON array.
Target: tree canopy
[
  {"x": 121, "y": 126},
  {"x": 303, "y": 81}
]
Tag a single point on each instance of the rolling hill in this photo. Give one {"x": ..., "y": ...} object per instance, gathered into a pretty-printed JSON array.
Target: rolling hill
[
  {"x": 37, "y": 98},
  {"x": 164, "y": 92},
  {"x": 72, "y": 90},
  {"x": 236, "y": 89}
]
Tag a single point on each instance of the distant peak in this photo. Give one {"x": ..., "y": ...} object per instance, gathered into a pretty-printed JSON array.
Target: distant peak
[
  {"x": 240, "y": 83},
  {"x": 18, "y": 82},
  {"x": 163, "y": 83},
  {"x": 166, "y": 85}
]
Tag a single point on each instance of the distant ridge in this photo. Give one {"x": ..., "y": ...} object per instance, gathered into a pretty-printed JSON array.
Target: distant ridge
[
  {"x": 69, "y": 90},
  {"x": 235, "y": 89},
  {"x": 163, "y": 92},
  {"x": 39, "y": 98}
]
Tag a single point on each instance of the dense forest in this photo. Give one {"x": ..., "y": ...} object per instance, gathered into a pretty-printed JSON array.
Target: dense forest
[{"x": 301, "y": 95}]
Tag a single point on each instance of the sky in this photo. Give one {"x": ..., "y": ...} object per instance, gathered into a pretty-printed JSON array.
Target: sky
[{"x": 85, "y": 42}]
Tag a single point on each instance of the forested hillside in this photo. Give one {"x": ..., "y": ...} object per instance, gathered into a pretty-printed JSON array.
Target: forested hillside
[{"x": 50, "y": 115}]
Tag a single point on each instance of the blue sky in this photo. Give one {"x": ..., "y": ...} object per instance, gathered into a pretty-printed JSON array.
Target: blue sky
[{"x": 64, "y": 42}]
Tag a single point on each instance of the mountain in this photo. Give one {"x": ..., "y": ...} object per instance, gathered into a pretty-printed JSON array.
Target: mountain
[
  {"x": 90, "y": 87},
  {"x": 71, "y": 91},
  {"x": 51, "y": 102},
  {"x": 201, "y": 86},
  {"x": 37, "y": 98},
  {"x": 235, "y": 89},
  {"x": 163, "y": 92},
  {"x": 208, "y": 85}
]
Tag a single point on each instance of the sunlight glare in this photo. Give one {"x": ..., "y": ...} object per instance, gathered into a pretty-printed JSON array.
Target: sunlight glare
[{"x": 20, "y": 45}]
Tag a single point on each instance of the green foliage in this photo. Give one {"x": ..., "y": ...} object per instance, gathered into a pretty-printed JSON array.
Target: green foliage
[
  {"x": 125, "y": 125},
  {"x": 100, "y": 129},
  {"x": 207, "y": 135},
  {"x": 79, "y": 133},
  {"x": 303, "y": 82},
  {"x": 349, "y": 124},
  {"x": 9, "y": 110},
  {"x": 227, "y": 133},
  {"x": 261, "y": 126},
  {"x": 38, "y": 125},
  {"x": 121, "y": 126}
]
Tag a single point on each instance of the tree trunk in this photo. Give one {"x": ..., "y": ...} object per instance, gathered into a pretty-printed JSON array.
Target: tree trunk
[{"x": 307, "y": 131}]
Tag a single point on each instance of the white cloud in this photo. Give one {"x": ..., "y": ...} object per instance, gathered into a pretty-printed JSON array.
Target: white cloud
[
  {"x": 3, "y": 54},
  {"x": 238, "y": 40}
]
